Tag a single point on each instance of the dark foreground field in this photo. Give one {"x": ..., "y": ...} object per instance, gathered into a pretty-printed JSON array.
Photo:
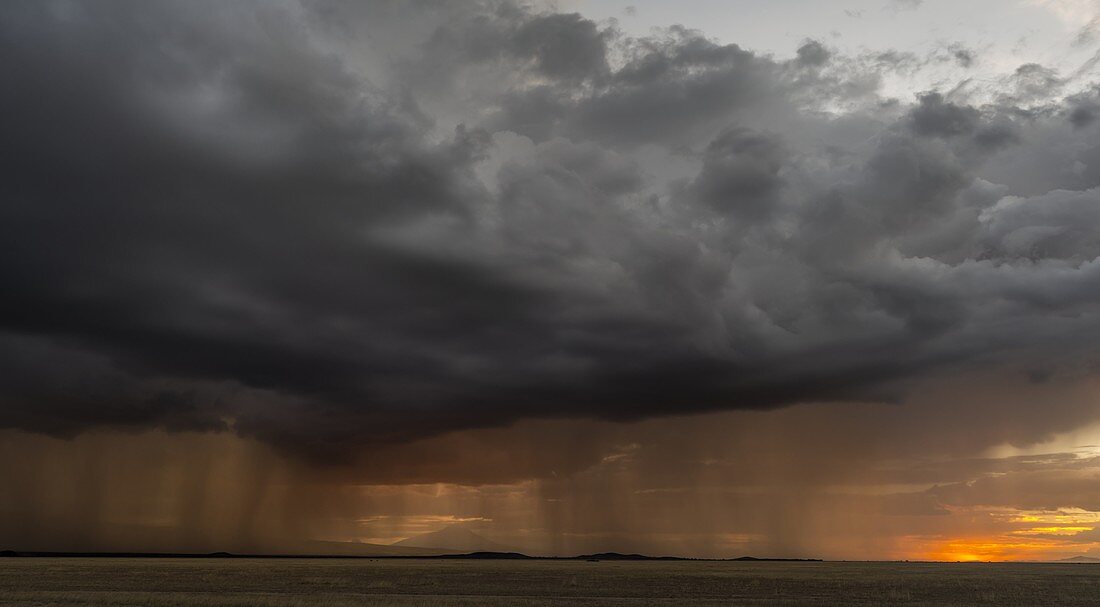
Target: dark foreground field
[{"x": 333, "y": 582}]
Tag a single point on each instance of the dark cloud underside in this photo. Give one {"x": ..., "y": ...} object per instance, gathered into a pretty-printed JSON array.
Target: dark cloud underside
[{"x": 245, "y": 215}]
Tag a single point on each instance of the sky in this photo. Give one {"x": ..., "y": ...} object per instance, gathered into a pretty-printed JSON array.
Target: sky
[{"x": 709, "y": 279}]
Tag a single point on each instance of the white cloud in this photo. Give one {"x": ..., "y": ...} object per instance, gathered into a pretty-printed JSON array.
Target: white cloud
[{"x": 1077, "y": 13}]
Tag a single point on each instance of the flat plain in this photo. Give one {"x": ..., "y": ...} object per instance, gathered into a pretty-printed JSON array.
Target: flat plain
[{"x": 419, "y": 582}]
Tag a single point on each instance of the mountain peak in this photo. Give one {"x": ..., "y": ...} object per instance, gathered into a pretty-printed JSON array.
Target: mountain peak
[{"x": 1079, "y": 559}]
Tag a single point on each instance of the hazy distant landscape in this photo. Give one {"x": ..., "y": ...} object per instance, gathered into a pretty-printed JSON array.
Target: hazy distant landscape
[{"x": 415, "y": 582}]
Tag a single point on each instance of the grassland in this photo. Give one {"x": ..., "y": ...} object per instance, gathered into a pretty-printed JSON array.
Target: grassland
[{"x": 340, "y": 582}]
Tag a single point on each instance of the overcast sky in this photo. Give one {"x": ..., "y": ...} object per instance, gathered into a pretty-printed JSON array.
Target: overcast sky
[
  {"x": 1011, "y": 31},
  {"x": 693, "y": 277}
]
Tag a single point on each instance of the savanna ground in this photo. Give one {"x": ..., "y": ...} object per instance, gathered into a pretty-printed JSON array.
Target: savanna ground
[{"x": 339, "y": 582}]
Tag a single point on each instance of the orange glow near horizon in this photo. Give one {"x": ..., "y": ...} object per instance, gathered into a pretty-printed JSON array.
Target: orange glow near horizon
[
  {"x": 1016, "y": 547},
  {"x": 1017, "y": 535}
]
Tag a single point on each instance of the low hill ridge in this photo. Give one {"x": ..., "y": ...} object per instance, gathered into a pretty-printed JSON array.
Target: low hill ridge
[{"x": 1079, "y": 559}]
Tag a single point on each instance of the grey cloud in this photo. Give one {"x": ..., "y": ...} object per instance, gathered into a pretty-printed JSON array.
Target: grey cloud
[
  {"x": 934, "y": 116},
  {"x": 560, "y": 46},
  {"x": 498, "y": 45},
  {"x": 1058, "y": 225},
  {"x": 973, "y": 133},
  {"x": 563, "y": 46},
  {"x": 963, "y": 56},
  {"x": 908, "y": 4},
  {"x": 1087, "y": 34},
  {"x": 91, "y": 391},
  {"x": 682, "y": 84},
  {"x": 1084, "y": 109},
  {"x": 740, "y": 175},
  {"x": 220, "y": 222},
  {"x": 1045, "y": 490},
  {"x": 669, "y": 89},
  {"x": 813, "y": 54},
  {"x": 966, "y": 470},
  {"x": 1033, "y": 82},
  {"x": 997, "y": 135},
  {"x": 1044, "y": 482},
  {"x": 1083, "y": 115}
]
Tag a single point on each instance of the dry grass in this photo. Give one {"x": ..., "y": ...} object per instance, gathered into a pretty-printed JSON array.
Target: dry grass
[{"x": 339, "y": 583}]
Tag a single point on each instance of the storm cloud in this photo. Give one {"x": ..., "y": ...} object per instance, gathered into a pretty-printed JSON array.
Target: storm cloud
[{"x": 252, "y": 217}]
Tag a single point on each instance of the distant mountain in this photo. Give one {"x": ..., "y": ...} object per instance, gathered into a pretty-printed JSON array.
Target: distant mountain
[
  {"x": 1079, "y": 559},
  {"x": 454, "y": 538},
  {"x": 618, "y": 556},
  {"x": 492, "y": 556}
]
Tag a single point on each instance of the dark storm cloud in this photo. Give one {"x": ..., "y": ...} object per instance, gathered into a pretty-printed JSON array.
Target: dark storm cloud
[
  {"x": 813, "y": 53},
  {"x": 963, "y": 56},
  {"x": 63, "y": 391},
  {"x": 231, "y": 216},
  {"x": 1084, "y": 109},
  {"x": 934, "y": 116},
  {"x": 563, "y": 46},
  {"x": 740, "y": 175},
  {"x": 669, "y": 89}
]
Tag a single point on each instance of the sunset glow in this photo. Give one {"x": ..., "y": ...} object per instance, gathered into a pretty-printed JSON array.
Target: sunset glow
[{"x": 994, "y": 549}]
